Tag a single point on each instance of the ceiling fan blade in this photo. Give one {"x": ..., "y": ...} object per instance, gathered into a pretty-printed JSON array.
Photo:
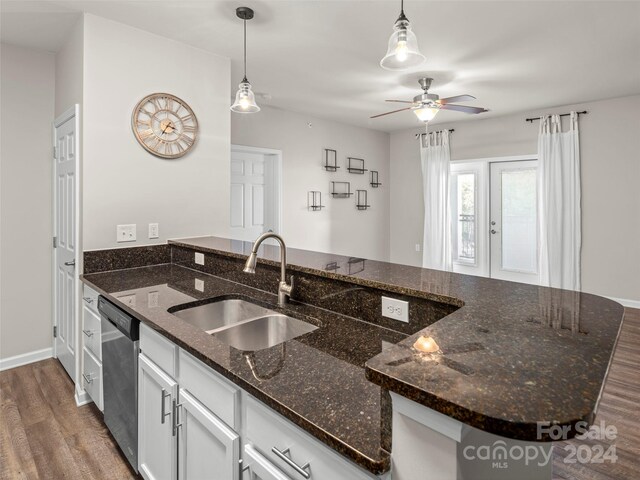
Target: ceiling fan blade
[
  {"x": 463, "y": 108},
  {"x": 399, "y": 101},
  {"x": 457, "y": 98},
  {"x": 389, "y": 113}
]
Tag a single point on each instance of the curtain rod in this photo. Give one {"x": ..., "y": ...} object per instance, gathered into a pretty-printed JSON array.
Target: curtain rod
[
  {"x": 531, "y": 120},
  {"x": 419, "y": 135}
]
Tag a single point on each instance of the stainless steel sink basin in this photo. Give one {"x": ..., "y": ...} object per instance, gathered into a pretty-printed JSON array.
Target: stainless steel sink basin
[
  {"x": 263, "y": 332},
  {"x": 216, "y": 315}
]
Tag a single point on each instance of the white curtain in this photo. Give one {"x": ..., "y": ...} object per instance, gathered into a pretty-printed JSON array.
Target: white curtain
[
  {"x": 559, "y": 203},
  {"x": 435, "y": 156}
]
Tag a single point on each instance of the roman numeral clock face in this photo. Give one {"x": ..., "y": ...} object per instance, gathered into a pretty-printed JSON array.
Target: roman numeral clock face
[{"x": 165, "y": 125}]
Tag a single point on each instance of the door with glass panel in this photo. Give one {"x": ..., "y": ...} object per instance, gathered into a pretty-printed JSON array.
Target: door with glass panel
[
  {"x": 469, "y": 188},
  {"x": 513, "y": 221}
]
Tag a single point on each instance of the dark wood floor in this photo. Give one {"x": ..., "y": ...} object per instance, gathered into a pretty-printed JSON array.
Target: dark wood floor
[
  {"x": 620, "y": 407},
  {"x": 44, "y": 435}
]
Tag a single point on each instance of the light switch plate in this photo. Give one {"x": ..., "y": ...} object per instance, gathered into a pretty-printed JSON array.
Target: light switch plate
[
  {"x": 154, "y": 230},
  {"x": 396, "y": 309},
  {"x": 199, "y": 258},
  {"x": 126, "y": 233}
]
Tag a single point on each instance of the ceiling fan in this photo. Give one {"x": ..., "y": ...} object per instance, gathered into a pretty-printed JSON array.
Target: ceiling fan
[{"x": 427, "y": 105}]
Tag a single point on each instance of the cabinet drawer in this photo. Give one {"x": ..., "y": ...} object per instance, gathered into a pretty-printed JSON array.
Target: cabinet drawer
[
  {"x": 92, "y": 377},
  {"x": 91, "y": 333},
  {"x": 256, "y": 467},
  {"x": 211, "y": 389},
  {"x": 90, "y": 298},
  {"x": 161, "y": 351},
  {"x": 270, "y": 433}
]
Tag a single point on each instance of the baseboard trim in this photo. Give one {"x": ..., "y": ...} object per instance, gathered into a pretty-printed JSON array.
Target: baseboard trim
[
  {"x": 626, "y": 302},
  {"x": 81, "y": 396},
  {"x": 25, "y": 358}
]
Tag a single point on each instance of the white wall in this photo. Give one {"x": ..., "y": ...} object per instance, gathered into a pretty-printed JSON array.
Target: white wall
[
  {"x": 122, "y": 182},
  {"x": 610, "y": 146},
  {"x": 340, "y": 227},
  {"x": 26, "y": 113},
  {"x": 69, "y": 70}
]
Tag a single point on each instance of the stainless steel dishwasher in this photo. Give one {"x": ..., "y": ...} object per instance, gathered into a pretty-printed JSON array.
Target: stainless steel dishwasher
[{"x": 120, "y": 347}]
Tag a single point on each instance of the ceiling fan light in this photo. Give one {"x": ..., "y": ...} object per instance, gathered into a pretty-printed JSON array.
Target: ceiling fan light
[
  {"x": 425, "y": 114},
  {"x": 245, "y": 99},
  {"x": 402, "y": 52}
]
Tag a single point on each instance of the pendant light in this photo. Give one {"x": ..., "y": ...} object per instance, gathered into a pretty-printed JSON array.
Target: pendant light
[
  {"x": 245, "y": 99},
  {"x": 403, "y": 52}
]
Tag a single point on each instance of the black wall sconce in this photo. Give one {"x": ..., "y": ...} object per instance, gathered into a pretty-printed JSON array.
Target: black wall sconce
[
  {"x": 375, "y": 182},
  {"x": 356, "y": 165},
  {"x": 341, "y": 189},
  {"x": 361, "y": 200},
  {"x": 330, "y": 160},
  {"x": 314, "y": 200}
]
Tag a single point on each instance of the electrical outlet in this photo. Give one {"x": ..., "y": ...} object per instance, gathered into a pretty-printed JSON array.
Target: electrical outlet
[
  {"x": 417, "y": 247},
  {"x": 396, "y": 309},
  {"x": 152, "y": 299},
  {"x": 199, "y": 258},
  {"x": 154, "y": 230},
  {"x": 199, "y": 284},
  {"x": 126, "y": 233},
  {"x": 129, "y": 299}
]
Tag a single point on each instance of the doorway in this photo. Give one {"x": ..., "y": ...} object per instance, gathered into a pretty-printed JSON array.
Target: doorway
[
  {"x": 494, "y": 227},
  {"x": 255, "y": 192},
  {"x": 65, "y": 242}
]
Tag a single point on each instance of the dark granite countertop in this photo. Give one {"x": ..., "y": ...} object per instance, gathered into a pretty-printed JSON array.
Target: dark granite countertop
[
  {"x": 513, "y": 355},
  {"x": 317, "y": 381}
]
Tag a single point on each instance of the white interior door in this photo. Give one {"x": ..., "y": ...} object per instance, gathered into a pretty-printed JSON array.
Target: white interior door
[
  {"x": 514, "y": 221},
  {"x": 65, "y": 136},
  {"x": 254, "y": 193}
]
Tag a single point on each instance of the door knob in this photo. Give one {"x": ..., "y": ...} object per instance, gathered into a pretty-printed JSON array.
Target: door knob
[
  {"x": 70, "y": 264},
  {"x": 493, "y": 232}
]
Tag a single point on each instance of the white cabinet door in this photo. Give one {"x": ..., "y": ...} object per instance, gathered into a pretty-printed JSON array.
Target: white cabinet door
[
  {"x": 208, "y": 449},
  {"x": 157, "y": 445},
  {"x": 256, "y": 467}
]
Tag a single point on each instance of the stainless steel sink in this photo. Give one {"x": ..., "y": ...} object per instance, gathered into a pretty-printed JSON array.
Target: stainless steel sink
[
  {"x": 216, "y": 315},
  {"x": 263, "y": 332}
]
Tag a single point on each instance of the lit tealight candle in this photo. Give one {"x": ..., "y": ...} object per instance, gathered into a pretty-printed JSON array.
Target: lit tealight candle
[{"x": 426, "y": 344}]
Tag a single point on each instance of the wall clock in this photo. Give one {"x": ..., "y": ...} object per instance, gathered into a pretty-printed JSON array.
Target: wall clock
[{"x": 164, "y": 125}]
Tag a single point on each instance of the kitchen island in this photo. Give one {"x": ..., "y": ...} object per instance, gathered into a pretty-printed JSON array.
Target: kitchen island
[{"x": 510, "y": 356}]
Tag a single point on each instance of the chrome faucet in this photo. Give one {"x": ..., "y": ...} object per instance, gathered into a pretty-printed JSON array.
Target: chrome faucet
[{"x": 284, "y": 289}]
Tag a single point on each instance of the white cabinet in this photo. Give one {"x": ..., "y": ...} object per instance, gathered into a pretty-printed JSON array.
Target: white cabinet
[
  {"x": 256, "y": 467},
  {"x": 157, "y": 445},
  {"x": 204, "y": 417},
  {"x": 208, "y": 449},
  {"x": 293, "y": 450},
  {"x": 179, "y": 436},
  {"x": 91, "y": 346}
]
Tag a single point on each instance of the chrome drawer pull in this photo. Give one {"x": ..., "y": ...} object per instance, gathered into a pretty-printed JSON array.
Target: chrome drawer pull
[
  {"x": 163, "y": 394},
  {"x": 302, "y": 470},
  {"x": 88, "y": 299},
  {"x": 87, "y": 378},
  {"x": 88, "y": 333}
]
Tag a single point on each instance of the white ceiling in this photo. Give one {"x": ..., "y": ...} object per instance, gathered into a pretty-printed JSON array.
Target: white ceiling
[{"x": 321, "y": 57}]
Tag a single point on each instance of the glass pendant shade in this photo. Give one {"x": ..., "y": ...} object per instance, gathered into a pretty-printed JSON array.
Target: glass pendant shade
[
  {"x": 425, "y": 114},
  {"x": 245, "y": 99},
  {"x": 403, "y": 52}
]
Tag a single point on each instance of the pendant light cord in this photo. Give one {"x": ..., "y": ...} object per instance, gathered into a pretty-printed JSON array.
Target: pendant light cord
[{"x": 245, "y": 49}]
